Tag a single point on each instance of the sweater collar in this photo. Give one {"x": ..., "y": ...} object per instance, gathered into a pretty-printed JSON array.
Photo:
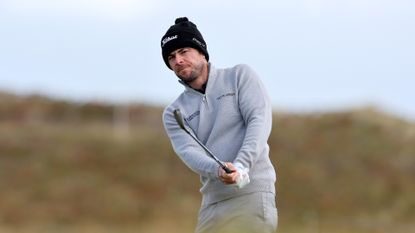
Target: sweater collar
[{"x": 211, "y": 73}]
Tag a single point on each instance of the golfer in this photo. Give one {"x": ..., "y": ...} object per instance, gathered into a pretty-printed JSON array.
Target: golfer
[{"x": 229, "y": 111}]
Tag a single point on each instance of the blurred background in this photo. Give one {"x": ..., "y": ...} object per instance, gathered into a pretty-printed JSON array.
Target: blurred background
[{"x": 83, "y": 86}]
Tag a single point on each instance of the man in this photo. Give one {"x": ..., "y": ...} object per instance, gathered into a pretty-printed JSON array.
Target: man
[{"x": 229, "y": 111}]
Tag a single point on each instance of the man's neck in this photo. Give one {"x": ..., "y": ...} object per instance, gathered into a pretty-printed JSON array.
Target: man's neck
[{"x": 199, "y": 84}]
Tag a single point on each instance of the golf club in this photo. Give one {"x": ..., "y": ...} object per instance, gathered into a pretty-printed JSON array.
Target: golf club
[{"x": 180, "y": 122}]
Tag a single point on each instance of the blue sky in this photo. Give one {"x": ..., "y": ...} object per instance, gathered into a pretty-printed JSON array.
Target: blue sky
[{"x": 313, "y": 55}]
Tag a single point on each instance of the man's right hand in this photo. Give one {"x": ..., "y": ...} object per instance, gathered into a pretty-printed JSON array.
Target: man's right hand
[
  {"x": 239, "y": 176},
  {"x": 228, "y": 178}
]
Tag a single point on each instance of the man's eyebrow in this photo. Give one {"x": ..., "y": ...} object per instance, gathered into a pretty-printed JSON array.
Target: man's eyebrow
[
  {"x": 176, "y": 51},
  {"x": 172, "y": 54}
]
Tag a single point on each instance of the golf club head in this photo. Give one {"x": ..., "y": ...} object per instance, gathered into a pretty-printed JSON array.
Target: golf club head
[{"x": 179, "y": 118}]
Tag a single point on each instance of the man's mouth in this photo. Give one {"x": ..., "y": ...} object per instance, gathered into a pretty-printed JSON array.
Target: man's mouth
[{"x": 182, "y": 69}]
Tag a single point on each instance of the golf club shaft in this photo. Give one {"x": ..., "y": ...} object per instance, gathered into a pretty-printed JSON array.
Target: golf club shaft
[
  {"x": 180, "y": 121},
  {"x": 223, "y": 166}
]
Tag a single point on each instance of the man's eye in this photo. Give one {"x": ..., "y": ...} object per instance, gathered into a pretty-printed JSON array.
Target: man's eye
[{"x": 184, "y": 51}]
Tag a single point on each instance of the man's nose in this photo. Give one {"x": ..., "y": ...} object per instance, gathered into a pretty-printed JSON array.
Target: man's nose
[{"x": 178, "y": 59}]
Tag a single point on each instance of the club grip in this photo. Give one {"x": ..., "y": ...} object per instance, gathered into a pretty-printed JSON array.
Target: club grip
[{"x": 227, "y": 170}]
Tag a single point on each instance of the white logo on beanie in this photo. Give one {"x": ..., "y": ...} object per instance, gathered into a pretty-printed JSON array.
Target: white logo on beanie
[
  {"x": 198, "y": 42},
  {"x": 167, "y": 39}
]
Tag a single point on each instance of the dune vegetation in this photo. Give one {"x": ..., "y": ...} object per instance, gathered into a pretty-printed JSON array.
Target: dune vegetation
[{"x": 99, "y": 167}]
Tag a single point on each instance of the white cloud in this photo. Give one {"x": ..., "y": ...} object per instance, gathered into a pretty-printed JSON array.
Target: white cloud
[{"x": 100, "y": 9}]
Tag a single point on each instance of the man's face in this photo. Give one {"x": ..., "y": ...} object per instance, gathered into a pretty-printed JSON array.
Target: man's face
[{"x": 187, "y": 63}]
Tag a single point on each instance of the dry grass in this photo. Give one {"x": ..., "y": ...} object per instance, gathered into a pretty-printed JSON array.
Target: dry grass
[{"x": 67, "y": 167}]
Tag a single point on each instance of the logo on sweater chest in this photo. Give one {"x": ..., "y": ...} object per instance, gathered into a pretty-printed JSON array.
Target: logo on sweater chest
[
  {"x": 192, "y": 116},
  {"x": 225, "y": 95}
]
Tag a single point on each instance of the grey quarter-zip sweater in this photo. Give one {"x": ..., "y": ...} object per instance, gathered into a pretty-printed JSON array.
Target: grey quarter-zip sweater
[{"x": 233, "y": 119}]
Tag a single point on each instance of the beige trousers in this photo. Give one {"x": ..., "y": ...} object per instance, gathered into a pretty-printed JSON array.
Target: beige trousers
[{"x": 250, "y": 213}]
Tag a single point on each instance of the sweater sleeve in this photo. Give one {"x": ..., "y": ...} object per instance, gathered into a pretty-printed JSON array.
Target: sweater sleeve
[
  {"x": 187, "y": 149},
  {"x": 255, "y": 107}
]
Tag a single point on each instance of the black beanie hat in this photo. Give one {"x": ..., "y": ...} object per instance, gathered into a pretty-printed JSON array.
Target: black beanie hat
[{"x": 182, "y": 34}]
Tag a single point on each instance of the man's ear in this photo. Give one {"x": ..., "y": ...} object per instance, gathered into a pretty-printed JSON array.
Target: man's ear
[{"x": 202, "y": 54}]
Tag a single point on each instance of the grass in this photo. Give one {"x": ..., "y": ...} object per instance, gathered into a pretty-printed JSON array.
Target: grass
[{"x": 72, "y": 167}]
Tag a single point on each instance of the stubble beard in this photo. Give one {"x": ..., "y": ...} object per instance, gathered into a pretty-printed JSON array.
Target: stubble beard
[{"x": 194, "y": 74}]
